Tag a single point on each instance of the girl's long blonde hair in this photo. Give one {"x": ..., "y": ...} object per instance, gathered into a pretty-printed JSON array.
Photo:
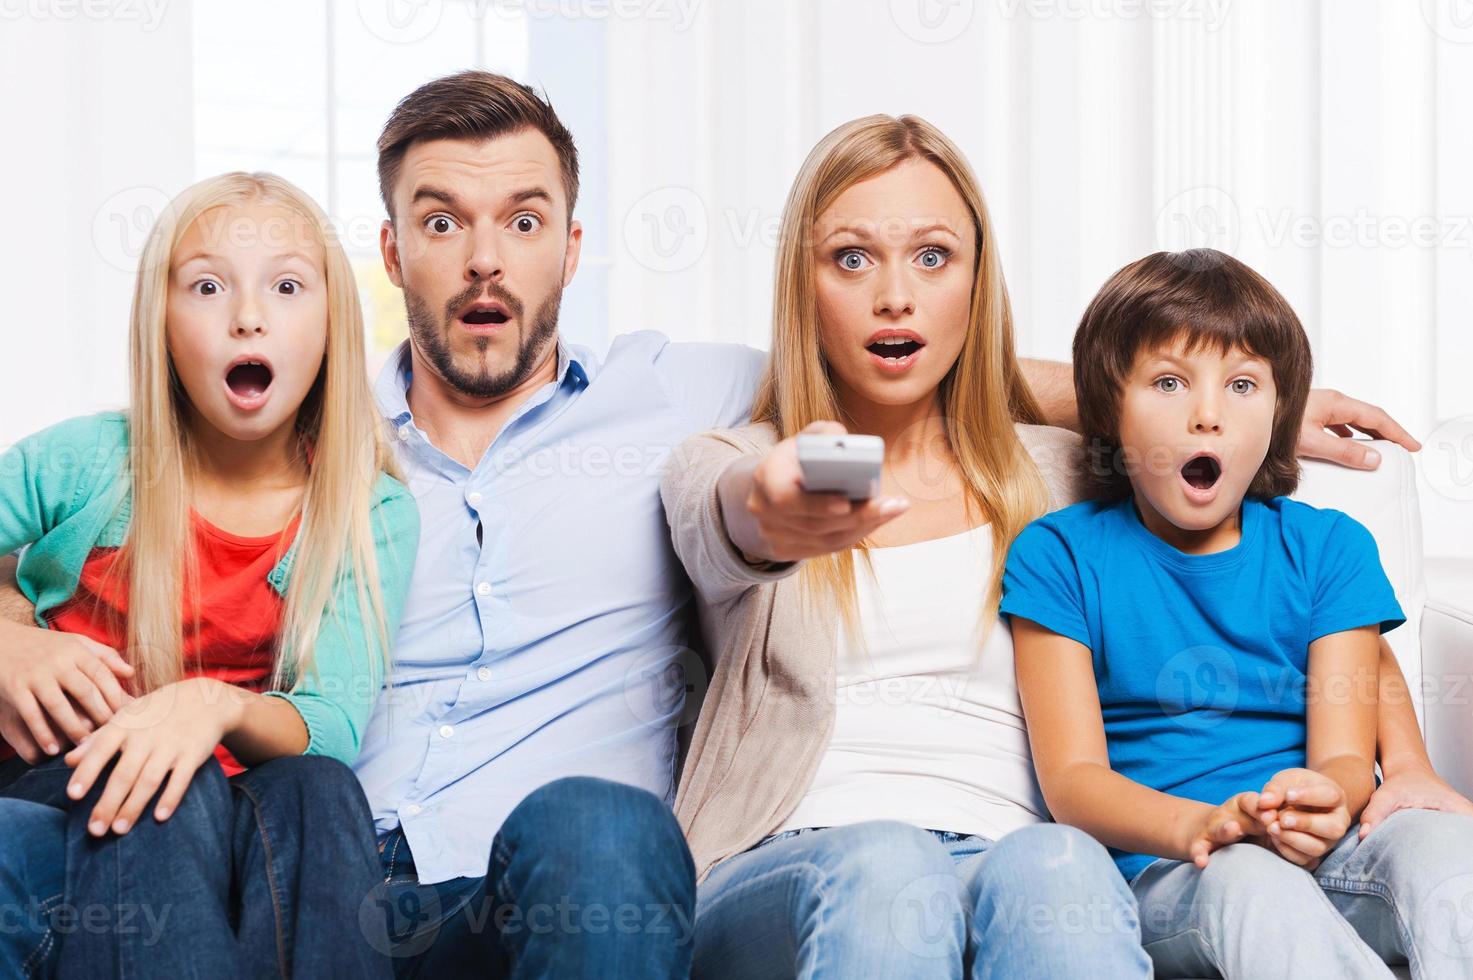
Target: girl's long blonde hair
[
  {"x": 981, "y": 396},
  {"x": 337, "y": 419}
]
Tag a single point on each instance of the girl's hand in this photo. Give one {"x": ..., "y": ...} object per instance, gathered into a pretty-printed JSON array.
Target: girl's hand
[
  {"x": 1306, "y": 814},
  {"x": 55, "y": 686},
  {"x": 167, "y": 734},
  {"x": 1235, "y": 821},
  {"x": 770, "y": 516}
]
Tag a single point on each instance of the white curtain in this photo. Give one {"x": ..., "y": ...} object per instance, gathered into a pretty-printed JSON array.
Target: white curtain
[
  {"x": 98, "y": 133},
  {"x": 1325, "y": 143}
]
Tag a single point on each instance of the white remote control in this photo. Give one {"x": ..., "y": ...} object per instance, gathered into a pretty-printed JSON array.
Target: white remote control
[{"x": 848, "y": 464}]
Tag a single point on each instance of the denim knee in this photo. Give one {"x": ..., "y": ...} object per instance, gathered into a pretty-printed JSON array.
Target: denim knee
[
  {"x": 1052, "y": 878},
  {"x": 315, "y": 787},
  {"x": 1243, "y": 877},
  {"x": 582, "y": 832},
  {"x": 205, "y": 807},
  {"x": 1050, "y": 859},
  {"x": 883, "y": 882}
]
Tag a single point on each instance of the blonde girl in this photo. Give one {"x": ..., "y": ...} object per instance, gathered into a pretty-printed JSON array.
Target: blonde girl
[{"x": 217, "y": 574}]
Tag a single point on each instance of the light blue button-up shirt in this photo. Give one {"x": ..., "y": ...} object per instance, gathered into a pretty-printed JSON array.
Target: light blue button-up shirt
[{"x": 547, "y": 607}]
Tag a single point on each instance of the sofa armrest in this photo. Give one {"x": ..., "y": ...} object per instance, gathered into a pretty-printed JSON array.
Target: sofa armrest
[{"x": 1447, "y": 670}]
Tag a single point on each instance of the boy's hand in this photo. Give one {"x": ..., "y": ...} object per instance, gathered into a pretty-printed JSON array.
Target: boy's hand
[
  {"x": 1305, "y": 813},
  {"x": 1235, "y": 821}
]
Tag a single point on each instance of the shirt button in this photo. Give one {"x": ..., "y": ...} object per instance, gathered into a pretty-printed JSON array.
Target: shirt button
[
  {"x": 446, "y": 731},
  {"x": 483, "y": 589},
  {"x": 412, "y": 809},
  {"x": 404, "y": 434},
  {"x": 483, "y": 673},
  {"x": 474, "y": 497}
]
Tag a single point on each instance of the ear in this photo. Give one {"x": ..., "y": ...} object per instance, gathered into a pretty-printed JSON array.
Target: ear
[
  {"x": 388, "y": 246},
  {"x": 575, "y": 248}
]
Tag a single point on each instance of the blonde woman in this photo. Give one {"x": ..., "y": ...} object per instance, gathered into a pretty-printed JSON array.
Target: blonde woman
[
  {"x": 218, "y": 572},
  {"x": 859, "y": 796}
]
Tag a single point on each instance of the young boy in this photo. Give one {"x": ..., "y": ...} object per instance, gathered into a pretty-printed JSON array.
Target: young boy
[{"x": 1196, "y": 653}]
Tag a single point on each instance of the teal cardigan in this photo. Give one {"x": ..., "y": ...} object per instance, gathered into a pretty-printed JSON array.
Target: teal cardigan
[{"x": 65, "y": 491}]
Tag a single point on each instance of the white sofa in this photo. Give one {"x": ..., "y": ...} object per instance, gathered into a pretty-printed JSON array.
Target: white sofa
[{"x": 1435, "y": 645}]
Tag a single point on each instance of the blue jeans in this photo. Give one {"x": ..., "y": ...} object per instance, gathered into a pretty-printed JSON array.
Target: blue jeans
[
  {"x": 586, "y": 878},
  {"x": 32, "y": 879},
  {"x": 1405, "y": 893},
  {"x": 885, "y": 899},
  {"x": 265, "y": 874}
]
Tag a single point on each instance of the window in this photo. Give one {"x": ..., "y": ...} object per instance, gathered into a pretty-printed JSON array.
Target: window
[{"x": 302, "y": 90}]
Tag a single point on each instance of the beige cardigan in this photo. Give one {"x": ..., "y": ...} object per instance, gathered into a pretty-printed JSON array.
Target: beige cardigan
[{"x": 769, "y": 710}]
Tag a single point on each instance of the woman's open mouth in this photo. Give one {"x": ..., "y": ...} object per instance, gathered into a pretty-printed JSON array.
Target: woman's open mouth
[
  {"x": 895, "y": 351},
  {"x": 1201, "y": 475},
  {"x": 248, "y": 383}
]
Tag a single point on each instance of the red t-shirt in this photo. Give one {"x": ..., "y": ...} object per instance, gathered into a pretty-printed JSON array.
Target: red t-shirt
[{"x": 239, "y": 612}]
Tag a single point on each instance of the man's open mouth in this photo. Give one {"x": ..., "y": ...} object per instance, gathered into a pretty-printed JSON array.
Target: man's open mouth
[
  {"x": 1202, "y": 472},
  {"x": 894, "y": 347},
  {"x": 485, "y": 315},
  {"x": 249, "y": 379}
]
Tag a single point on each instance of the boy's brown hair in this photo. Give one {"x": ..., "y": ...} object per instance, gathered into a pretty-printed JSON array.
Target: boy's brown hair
[
  {"x": 471, "y": 105},
  {"x": 1203, "y": 297}
]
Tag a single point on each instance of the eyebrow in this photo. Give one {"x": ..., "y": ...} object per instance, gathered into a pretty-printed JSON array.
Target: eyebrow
[
  {"x": 530, "y": 194},
  {"x": 864, "y": 232},
  {"x": 207, "y": 256},
  {"x": 1244, "y": 359},
  {"x": 428, "y": 193}
]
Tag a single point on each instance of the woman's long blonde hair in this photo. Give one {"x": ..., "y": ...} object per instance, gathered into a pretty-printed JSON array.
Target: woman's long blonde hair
[
  {"x": 337, "y": 420},
  {"x": 982, "y": 395}
]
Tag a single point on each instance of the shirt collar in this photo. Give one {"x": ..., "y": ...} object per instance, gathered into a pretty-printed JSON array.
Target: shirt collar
[{"x": 575, "y": 365}]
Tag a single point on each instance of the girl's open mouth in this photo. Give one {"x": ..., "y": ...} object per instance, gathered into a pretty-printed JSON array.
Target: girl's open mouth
[{"x": 248, "y": 383}]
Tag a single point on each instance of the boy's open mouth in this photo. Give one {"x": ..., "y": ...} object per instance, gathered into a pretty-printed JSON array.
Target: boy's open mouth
[
  {"x": 248, "y": 379},
  {"x": 1202, "y": 472}
]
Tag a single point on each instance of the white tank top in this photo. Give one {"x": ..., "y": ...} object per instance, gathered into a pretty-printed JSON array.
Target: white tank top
[{"x": 928, "y": 729}]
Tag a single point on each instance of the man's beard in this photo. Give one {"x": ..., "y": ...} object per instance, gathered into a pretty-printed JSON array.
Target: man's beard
[{"x": 431, "y": 336}]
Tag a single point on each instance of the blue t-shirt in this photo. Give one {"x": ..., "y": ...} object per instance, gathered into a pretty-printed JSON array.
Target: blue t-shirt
[{"x": 1201, "y": 660}]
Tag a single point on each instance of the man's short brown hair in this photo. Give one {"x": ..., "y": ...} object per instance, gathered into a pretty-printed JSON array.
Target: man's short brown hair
[
  {"x": 1202, "y": 297},
  {"x": 471, "y": 105}
]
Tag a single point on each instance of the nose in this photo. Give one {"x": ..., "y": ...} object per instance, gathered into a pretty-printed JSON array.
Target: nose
[
  {"x": 1206, "y": 416},
  {"x": 248, "y": 320},
  {"x": 484, "y": 261},
  {"x": 895, "y": 297}
]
